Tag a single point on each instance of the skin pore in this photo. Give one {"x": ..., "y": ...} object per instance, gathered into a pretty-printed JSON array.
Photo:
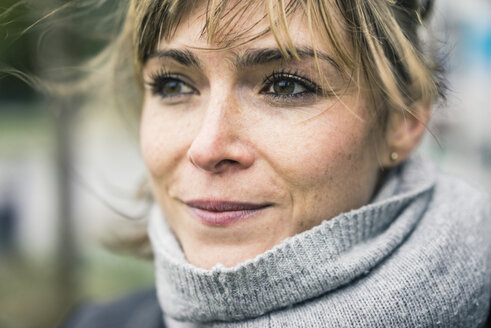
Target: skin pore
[{"x": 244, "y": 125}]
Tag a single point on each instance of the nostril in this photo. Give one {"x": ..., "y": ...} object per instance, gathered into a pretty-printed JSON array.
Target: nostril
[
  {"x": 219, "y": 152},
  {"x": 225, "y": 163}
]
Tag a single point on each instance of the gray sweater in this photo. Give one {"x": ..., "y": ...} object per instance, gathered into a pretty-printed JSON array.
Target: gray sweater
[{"x": 419, "y": 255}]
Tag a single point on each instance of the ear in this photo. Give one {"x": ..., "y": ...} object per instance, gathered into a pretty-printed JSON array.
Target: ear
[{"x": 403, "y": 133}]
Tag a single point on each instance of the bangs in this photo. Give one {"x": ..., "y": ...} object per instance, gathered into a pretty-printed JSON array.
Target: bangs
[
  {"x": 230, "y": 24},
  {"x": 374, "y": 42}
]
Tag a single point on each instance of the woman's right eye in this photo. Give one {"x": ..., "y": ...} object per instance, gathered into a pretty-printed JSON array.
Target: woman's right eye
[{"x": 167, "y": 86}]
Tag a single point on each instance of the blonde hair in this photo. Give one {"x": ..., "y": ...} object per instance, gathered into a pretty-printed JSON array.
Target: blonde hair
[{"x": 383, "y": 49}]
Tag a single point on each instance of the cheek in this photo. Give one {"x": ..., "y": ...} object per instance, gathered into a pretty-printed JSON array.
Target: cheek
[
  {"x": 159, "y": 142},
  {"x": 333, "y": 170},
  {"x": 325, "y": 152},
  {"x": 151, "y": 147}
]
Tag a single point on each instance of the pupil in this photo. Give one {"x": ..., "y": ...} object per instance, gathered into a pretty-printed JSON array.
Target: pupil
[
  {"x": 284, "y": 87},
  {"x": 172, "y": 87}
]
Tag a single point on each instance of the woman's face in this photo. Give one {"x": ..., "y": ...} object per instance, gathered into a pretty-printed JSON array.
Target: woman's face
[{"x": 245, "y": 149}]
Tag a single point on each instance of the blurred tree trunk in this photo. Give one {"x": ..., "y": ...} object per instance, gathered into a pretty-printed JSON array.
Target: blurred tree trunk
[
  {"x": 65, "y": 112},
  {"x": 67, "y": 255}
]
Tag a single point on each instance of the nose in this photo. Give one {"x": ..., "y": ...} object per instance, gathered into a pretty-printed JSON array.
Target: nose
[{"x": 220, "y": 144}]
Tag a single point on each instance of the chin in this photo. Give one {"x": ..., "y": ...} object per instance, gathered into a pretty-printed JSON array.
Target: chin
[{"x": 206, "y": 245}]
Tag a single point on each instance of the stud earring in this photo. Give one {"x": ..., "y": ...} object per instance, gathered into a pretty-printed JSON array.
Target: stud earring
[{"x": 394, "y": 156}]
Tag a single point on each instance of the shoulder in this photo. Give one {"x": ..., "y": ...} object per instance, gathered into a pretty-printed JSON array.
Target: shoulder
[
  {"x": 457, "y": 223},
  {"x": 460, "y": 217},
  {"x": 449, "y": 252},
  {"x": 139, "y": 309},
  {"x": 460, "y": 207},
  {"x": 456, "y": 187}
]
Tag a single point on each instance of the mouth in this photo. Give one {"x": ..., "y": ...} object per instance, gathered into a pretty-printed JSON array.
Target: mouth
[{"x": 212, "y": 212}]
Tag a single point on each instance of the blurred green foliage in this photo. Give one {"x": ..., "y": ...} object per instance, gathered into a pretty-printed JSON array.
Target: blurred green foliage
[
  {"x": 17, "y": 50},
  {"x": 52, "y": 39}
]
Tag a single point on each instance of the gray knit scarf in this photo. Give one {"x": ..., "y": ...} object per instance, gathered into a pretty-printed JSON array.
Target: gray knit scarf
[{"x": 417, "y": 256}]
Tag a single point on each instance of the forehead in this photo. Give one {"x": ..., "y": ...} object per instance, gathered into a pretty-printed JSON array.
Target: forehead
[
  {"x": 234, "y": 27},
  {"x": 240, "y": 25}
]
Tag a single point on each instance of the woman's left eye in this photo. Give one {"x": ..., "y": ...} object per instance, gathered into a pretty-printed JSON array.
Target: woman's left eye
[{"x": 288, "y": 85}]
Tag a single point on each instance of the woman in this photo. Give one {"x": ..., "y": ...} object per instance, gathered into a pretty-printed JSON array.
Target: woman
[{"x": 278, "y": 137}]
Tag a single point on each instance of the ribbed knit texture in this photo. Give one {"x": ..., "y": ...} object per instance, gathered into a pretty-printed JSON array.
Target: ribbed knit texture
[{"x": 419, "y": 255}]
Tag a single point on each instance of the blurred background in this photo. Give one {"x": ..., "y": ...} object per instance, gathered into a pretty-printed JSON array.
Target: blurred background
[{"x": 64, "y": 166}]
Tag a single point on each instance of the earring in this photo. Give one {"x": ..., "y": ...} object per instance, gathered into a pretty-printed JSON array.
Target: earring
[{"x": 394, "y": 156}]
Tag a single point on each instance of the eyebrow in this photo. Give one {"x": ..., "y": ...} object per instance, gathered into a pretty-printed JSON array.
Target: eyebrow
[
  {"x": 264, "y": 56},
  {"x": 251, "y": 57},
  {"x": 184, "y": 57}
]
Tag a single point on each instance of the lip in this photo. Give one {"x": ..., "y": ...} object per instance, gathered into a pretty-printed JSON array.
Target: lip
[{"x": 213, "y": 212}]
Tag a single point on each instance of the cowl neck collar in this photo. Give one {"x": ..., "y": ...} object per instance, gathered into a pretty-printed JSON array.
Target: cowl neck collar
[{"x": 302, "y": 267}]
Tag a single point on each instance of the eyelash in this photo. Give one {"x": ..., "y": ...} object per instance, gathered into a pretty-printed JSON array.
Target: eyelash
[
  {"x": 293, "y": 76},
  {"x": 161, "y": 77}
]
